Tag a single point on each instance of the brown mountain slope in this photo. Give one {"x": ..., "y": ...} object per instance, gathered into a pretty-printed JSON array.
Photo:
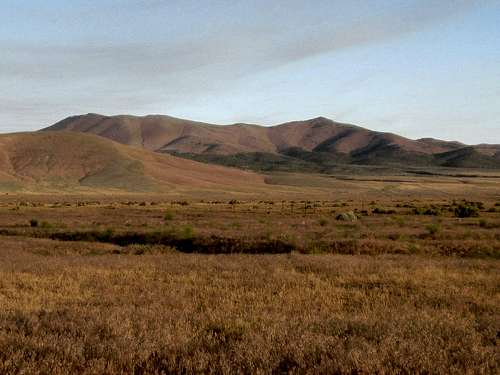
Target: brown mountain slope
[
  {"x": 322, "y": 134},
  {"x": 64, "y": 161},
  {"x": 318, "y": 140},
  {"x": 164, "y": 133}
]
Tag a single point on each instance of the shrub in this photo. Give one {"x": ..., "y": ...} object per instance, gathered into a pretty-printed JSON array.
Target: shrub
[
  {"x": 492, "y": 210},
  {"x": 323, "y": 222},
  {"x": 399, "y": 220},
  {"x": 188, "y": 232},
  {"x": 478, "y": 205},
  {"x": 466, "y": 210},
  {"x": 413, "y": 248},
  {"x": 33, "y": 223},
  {"x": 418, "y": 211},
  {"x": 487, "y": 224},
  {"x": 431, "y": 211},
  {"x": 45, "y": 225},
  {"x": 433, "y": 229},
  {"x": 168, "y": 216}
]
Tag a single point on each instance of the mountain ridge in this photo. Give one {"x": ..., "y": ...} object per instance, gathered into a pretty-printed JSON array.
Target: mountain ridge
[{"x": 333, "y": 142}]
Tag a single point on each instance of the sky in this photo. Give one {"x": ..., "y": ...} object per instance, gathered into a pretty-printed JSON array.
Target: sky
[{"x": 419, "y": 68}]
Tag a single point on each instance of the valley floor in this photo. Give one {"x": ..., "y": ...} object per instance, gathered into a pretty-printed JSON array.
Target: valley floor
[
  {"x": 90, "y": 285},
  {"x": 239, "y": 313}
]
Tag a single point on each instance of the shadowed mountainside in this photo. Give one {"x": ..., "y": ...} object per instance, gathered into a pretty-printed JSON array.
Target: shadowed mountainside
[
  {"x": 313, "y": 145},
  {"x": 64, "y": 161}
]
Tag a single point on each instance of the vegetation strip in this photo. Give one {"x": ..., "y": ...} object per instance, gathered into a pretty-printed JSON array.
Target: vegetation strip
[
  {"x": 202, "y": 245},
  {"x": 186, "y": 243}
]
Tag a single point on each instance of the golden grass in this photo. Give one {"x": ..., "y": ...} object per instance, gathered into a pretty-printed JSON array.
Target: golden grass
[
  {"x": 251, "y": 314},
  {"x": 308, "y": 226},
  {"x": 80, "y": 307}
]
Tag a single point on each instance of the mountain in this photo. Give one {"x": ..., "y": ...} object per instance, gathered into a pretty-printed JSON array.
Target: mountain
[
  {"x": 468, "y": 157},
  {"x": 318, "y": 144},
  {"x": 164, "y": 133},
  {"x": 77, "y": 162}
]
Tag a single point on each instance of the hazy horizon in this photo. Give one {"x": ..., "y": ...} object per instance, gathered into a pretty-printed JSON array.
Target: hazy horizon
[{"x": 415, "y": 68}]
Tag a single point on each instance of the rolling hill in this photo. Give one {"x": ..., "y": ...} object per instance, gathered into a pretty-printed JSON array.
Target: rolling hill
[
  {"x": 76, "y": 162},
  {"x": 316, "y": 145}
]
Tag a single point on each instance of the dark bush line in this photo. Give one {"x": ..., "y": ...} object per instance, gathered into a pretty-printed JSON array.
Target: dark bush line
[
  {"x": 430, "y": 211},
  {"x": 226, "y": 245},
  {"x": 203, "y": 245},
  {"x": 382, "y": 211}
]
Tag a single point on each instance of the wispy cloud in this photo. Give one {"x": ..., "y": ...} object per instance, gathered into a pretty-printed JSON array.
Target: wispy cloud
[
  {"x": 251, "y": 48},
  {"x": 176, "y": 67}
]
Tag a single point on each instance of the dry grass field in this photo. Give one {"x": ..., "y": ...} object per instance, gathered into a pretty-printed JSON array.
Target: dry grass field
[
  {"x": 165, "y": 284},
  {"x": 170, "y": 312}
]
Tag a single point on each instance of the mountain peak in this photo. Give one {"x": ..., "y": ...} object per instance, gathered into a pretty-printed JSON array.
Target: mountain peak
[
  {"x": 318, "y": 138},
  {"x": 321, "y": 118}
]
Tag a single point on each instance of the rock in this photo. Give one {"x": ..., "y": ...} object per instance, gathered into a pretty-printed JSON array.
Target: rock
[{"x": 347, "y": 216}]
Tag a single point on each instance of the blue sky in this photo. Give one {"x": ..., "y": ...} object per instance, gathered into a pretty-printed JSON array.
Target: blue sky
[{"x": 417, "y": 67}]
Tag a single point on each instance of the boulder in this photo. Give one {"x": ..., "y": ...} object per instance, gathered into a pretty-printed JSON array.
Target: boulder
[{"x": 347, "y": 216}]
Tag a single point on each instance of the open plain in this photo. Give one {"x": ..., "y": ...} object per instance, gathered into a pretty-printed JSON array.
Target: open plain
[{"x": 318, "y": 274}]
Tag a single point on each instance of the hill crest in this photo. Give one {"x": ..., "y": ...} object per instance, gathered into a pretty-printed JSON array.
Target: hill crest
[
  {"x": 77, "y": 162},
  {"x": 331, "y": 141}
]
